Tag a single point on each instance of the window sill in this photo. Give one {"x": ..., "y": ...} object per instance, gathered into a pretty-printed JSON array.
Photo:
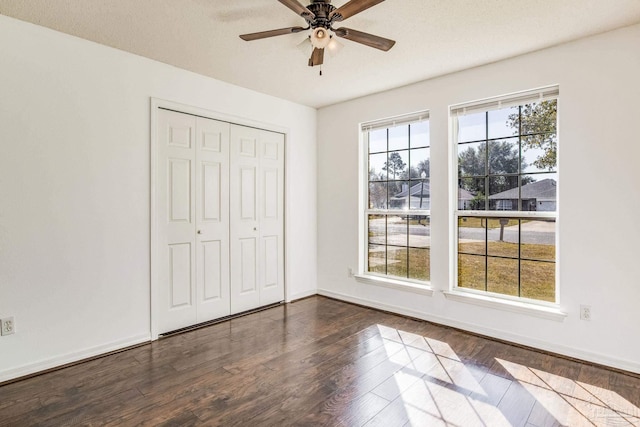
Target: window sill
[
  {"x": 394, "y": 284},
  {"x": 543, "y": 312}
]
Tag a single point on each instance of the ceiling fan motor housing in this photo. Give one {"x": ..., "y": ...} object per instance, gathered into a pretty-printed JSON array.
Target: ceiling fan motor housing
[{"x": 321, "y": 9}]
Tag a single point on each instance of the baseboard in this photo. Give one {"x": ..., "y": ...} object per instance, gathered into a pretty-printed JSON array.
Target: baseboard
[
  {"x": 302, "y": 295},
  {"x": 55, "y": 362},
  {"x": 600, "y": 359}
]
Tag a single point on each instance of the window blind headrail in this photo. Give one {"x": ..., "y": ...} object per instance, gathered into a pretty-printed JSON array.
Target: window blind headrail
[
  {"x": 395, "y": 121},
  {"x": 505, "y": 101}
]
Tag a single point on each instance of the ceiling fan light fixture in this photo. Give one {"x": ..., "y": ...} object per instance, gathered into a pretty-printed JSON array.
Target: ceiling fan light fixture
[
  {"x": 305, "y": 47},
  {"x": 320, "y": 38},
  {"x": 334, "y": 47}
]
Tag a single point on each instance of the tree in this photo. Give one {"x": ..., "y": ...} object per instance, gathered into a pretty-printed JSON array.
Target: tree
[
  {"x": 415, "y": 173},
  {"x": 377, "y": 190},
  {"x": 503, "y": 158},
  {"x": 394, "y": 165},
  {"x": 423, "y": 166},
  {"x": 538, "y": 122}
]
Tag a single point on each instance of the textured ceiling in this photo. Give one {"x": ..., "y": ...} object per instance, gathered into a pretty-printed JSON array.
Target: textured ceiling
[{"x": 434, "y": 37}]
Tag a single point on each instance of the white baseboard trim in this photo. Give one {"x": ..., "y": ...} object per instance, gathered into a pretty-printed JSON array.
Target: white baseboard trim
[
  {"x": 54, "y": 362},
  {"x": 302, "y": 295},
  {"x": 601, "y": 359}
]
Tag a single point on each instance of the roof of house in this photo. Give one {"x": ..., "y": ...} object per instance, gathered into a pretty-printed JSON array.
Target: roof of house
[
  {"x": 415, "y": 190},
  {"x": 465, "y": 195},
  {"x": 544, "y": 189}
]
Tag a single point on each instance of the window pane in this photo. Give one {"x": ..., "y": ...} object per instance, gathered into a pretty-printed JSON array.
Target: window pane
[
  {"x": 378, "y": 229},
  {"x": 539, "y": 153},
  {"x": 472, "y": 127},
  {"x": 502, "y": 276},
  {"x": 472, "y": 235},
  {"x": 471, "y": 272},
  {"x": 472, "y": 159},
  {"x": 471, "y": 194},
  {"x": 419, "y": 134},
  {"x": 507, "y": 161},
  {"x": 399, "y": 138},
  {"x": 397, "y": 158},
  {"x": 396, "y": 164},
  {"x": 397, "y": 261},
  {"x": 377, "y": 171},
  {"x": 419, "y": 231},
  {"x": 503, "y": 122},
  {"x": 397, "y": 230},
  {"x": 538, "y": 239},
  {"x": 398, "y": 195},
  {"x": 539, "y": 192},
  {"x": 377, "y": 257},
  {"x": 419, "y": 195},
  {"x": 539, "y": 117},
  {"x": 538, "y": 280},
  {"x": 378, "y": 141},
  {"x": 419, "y": 264},
  {"x": 503, "y": 193},
  {"x": 504, "y": 156},
  {"x": 378, "y": 195},
  {"x": 502, "y": 237},
  {"x": 420, "y": 163}
]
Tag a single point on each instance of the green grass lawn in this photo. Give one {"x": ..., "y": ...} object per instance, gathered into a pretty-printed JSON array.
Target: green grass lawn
[
  {"x": 418, "y": 263},
  {"x": 537, "y": 278}
]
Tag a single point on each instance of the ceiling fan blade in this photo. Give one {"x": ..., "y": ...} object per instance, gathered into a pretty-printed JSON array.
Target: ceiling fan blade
[
  {"x": 271, "y": 33},
  {"x": 317, "y": 57},
  {"x": 351, "y": 8},
  {"x": 298, "y": 8},
  {"x": 365, "y": 38}
]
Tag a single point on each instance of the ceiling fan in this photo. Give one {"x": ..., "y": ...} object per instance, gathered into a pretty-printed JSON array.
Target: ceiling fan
[{"x": 320, "y": 16}]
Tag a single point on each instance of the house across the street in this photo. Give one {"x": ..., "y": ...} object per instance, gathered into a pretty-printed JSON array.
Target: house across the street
[
  {"x": 417, "y": 196},
  {"x": 536, "y": 196}
]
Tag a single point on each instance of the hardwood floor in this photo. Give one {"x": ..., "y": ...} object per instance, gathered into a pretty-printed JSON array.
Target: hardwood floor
[{"x": 324, "y": 362}]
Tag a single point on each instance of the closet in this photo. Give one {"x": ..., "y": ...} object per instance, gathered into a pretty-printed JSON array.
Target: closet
[{"x": 219, "y": 219}]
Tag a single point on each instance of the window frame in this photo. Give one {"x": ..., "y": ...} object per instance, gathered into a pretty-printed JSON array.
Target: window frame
[
  {"x": 371, "y": 277},
  {"x": 484, "y": 106}
]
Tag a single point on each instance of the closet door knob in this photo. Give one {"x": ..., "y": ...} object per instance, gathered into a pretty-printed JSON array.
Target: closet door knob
[
  {"x": 199, "y": 231},
  {"x": 255, "y": 228}
]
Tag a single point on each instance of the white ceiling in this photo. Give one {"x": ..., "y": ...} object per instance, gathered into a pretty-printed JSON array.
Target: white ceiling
[{"x": 434, "y": 37}]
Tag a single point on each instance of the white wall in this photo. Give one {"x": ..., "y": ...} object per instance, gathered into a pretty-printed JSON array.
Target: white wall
[
  {"x": 75, "y": 188},
  {"x": 599, "y": 153}
]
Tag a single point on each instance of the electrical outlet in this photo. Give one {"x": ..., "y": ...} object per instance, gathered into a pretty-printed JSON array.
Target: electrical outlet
[
  {"x": 585, "y": 312},
  {"x": 7, "y": 326},
  {"x": 350, "y": 272}
]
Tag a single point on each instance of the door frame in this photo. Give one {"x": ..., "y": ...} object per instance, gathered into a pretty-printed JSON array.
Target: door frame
[{"x": 155, "y": 104}]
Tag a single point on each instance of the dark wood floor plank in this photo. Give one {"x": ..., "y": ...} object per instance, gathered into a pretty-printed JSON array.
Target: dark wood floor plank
[
  {"x": 322, "y": 362},
  {"x": 342, "y": 410},
  {"x": 516, "y": 404}
]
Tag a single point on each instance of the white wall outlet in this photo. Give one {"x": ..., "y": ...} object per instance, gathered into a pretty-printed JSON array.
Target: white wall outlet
[
  {"x": 7, "y": 326},
  {"x": 585, "y": 312},
  {"x": 350, "y": 272}
]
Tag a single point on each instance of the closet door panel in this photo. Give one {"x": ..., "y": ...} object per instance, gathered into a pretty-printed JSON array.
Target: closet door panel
[
  {"x": 212, "y": 219},
  {"x": 271, "y": 217},
  {"x": 175, "y": 263},
  {"x": 244, "y": 234}
]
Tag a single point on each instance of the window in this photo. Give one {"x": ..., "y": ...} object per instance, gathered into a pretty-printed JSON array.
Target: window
[
  {"x": 506, "y": 151},
  {"x": 398, "y": 201}
]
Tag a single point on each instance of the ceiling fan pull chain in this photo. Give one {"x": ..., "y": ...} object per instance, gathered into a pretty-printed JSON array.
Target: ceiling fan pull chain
[{"x": 320, "y": 69}]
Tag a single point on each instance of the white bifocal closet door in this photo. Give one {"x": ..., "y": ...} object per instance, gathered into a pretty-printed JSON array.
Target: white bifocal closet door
[
  {"x": 192, "y": 214},
  {"x": 256, "y": 211},
  {"x": 175, "y": 208},
  {"x": 212, "y": 219}
]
